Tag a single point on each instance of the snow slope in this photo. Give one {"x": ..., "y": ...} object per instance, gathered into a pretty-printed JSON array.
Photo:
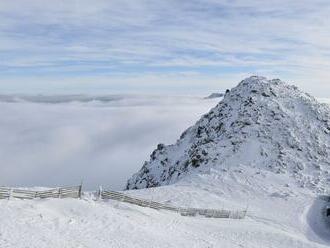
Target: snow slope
[
  {"x": 263, "y": 124},
  {"x": 275, "y": 218}
]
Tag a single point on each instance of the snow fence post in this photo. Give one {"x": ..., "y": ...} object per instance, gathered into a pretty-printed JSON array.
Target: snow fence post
[
  {"x": 80, "y": 189},
  {"x": 10, "y": 193},
  {"x": 246, "y": 210},
  {"x": 100, "y": 193}
]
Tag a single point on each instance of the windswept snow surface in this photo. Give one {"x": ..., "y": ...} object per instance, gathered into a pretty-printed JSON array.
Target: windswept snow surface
[{"x": 277, "y": 217}]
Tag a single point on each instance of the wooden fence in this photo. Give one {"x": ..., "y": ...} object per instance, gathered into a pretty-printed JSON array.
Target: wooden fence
[
  {"x": 76, "y": 191},
  {"x": 211, "y": 213},
  {"x": 63, "y": 192}
]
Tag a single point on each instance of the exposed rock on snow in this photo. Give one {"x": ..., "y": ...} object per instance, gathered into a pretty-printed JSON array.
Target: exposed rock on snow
[{"x": 263, "y": 124}]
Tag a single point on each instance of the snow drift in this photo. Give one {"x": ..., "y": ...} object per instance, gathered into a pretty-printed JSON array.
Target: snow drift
[{"x": 266, "y": 125}]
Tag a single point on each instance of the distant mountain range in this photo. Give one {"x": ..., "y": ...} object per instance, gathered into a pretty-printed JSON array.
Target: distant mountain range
[{"x": 214, "y": 95}]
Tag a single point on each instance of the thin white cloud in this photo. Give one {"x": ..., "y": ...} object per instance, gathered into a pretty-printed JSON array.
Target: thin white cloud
[{"x": 284, "y": 38}]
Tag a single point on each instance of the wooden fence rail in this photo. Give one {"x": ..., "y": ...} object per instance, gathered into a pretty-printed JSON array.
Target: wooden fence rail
[
  {"x": 63, "y": 192},
  {"x": 211, "y": 213},
  {"x": 76, "y": 191},
  {"x": 4, "y": 193}
]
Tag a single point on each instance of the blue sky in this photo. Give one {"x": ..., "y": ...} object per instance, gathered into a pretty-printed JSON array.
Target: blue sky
[{"x": 172, "y": 47}]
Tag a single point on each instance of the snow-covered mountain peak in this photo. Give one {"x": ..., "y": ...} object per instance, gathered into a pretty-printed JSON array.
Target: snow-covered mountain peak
[
  {"x": 261, "y": 87},
  {"x": 264, "y": 125}
]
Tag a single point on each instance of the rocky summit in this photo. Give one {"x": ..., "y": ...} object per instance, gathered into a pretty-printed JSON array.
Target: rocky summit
[{"x": 266, "y": 125}]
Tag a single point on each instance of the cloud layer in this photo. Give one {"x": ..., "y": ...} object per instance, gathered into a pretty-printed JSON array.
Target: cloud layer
[
  {"x": 102, "y": 143},
  {"x": 154, "y": 45}
]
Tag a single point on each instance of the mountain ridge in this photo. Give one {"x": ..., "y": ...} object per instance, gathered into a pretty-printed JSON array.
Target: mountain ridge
[{"x": 264, "y": 124}]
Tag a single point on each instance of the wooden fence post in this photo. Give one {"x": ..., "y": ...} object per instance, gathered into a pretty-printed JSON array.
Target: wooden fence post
[
  {"x": 10, "y": 193},
  {"x": 100, "y": 193},
  {"x": 80, "y": 189}
]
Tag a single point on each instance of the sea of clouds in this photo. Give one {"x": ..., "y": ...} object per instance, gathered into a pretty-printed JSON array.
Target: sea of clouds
[{"x": 102, "y": 140}]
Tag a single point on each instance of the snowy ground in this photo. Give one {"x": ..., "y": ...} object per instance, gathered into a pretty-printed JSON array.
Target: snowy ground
[{"x": 277, "y": 217}]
